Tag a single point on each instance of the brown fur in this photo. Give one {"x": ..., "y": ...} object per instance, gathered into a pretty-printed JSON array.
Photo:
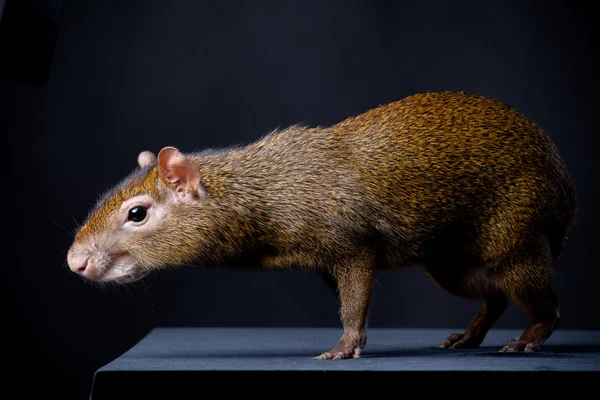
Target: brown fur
[{"x": 462, "y": 184}]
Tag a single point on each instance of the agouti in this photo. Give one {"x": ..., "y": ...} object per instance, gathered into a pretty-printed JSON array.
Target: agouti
[{"x": 461, "y": 184}]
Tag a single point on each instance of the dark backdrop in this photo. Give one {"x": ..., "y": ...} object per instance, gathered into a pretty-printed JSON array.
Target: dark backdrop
[{"x": 126, "y": 76}]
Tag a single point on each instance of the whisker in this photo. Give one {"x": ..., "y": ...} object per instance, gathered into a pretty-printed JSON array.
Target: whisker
[
  {"x": 87, "y": 281},
  {"x": 128, "y": 285},
  {"x": 382, "y": 289},
  {"x": 69, "y": 232},
  {"x": 103, "y": 243},
  {"x": 147, "y": 284},
  {"x": 122, "y": 236},
  {"x": 143, "y": 284},
  {"x": 75, "y": 221},
  {"x": 112, "y": 289}
]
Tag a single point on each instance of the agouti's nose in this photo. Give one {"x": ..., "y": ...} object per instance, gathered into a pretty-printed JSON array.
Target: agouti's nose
[{"x": 78, "y": 262}]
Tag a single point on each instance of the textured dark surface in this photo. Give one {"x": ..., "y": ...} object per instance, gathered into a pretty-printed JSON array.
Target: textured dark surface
[
  {"x": 187, "y": 362},
  {"x": 291, "y": 349}
]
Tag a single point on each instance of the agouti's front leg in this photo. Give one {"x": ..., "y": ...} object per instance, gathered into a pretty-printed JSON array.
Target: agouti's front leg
[{"x": 354, "y": 285}]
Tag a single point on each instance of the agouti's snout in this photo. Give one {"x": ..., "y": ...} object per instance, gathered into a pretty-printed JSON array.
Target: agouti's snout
[
  {"x": 97, "y": 264},
  {"x": 78, "y": 261}
]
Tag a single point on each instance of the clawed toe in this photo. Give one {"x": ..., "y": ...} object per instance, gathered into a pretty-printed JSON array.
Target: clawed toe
[
  {"x": 517, "y": 346},
  {"x": 459, "y": 341},
  {"x": 339, "y": 354}
]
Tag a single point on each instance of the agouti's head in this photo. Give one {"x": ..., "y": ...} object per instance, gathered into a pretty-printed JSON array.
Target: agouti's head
[{"x": 131, "y": 231}]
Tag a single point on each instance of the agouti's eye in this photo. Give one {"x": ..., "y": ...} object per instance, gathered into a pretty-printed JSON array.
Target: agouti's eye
[{"x": 137, "y": 214}]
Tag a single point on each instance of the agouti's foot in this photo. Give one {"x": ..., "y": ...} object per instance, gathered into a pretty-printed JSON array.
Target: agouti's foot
[
  {"x": 460, "y": 340},
  {"x": 350, "y": 346},
  {"x": 520, "y": 346},
  {"x": 338, "y": 354}
]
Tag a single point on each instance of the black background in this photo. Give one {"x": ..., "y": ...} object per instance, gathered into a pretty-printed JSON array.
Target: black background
[{"x": 126, "y": 76}]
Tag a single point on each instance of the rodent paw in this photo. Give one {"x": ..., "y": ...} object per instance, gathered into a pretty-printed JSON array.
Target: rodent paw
[
  {"x": 460, "y": 340},
  {"x": 514, "y": 346},
  {"x": 339, "y": 354}
]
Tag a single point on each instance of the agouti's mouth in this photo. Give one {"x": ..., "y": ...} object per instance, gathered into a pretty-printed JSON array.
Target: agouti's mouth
[
  {"x": 123, "y": 269},
  {"x": 122, "y": 279}
]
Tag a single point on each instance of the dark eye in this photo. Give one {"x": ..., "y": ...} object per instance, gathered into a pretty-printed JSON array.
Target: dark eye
[{"x": 137, "y": 214}]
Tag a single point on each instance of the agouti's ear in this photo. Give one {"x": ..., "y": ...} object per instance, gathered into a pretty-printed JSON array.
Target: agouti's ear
[
  {"x": 180, "y": 174},
  {"x": 146, "y": 158}
]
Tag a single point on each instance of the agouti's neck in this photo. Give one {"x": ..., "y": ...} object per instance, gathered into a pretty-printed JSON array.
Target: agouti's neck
[
  {"x": 234, "y": 208},
  {"x": 228, "y": 175}
]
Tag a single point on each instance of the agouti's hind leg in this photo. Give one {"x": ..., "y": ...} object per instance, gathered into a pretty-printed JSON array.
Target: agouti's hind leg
[
  {"x": 492, "y": 309},
  {"x": 543, "y": 308},
  {"x": 528, "y": 283}
]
